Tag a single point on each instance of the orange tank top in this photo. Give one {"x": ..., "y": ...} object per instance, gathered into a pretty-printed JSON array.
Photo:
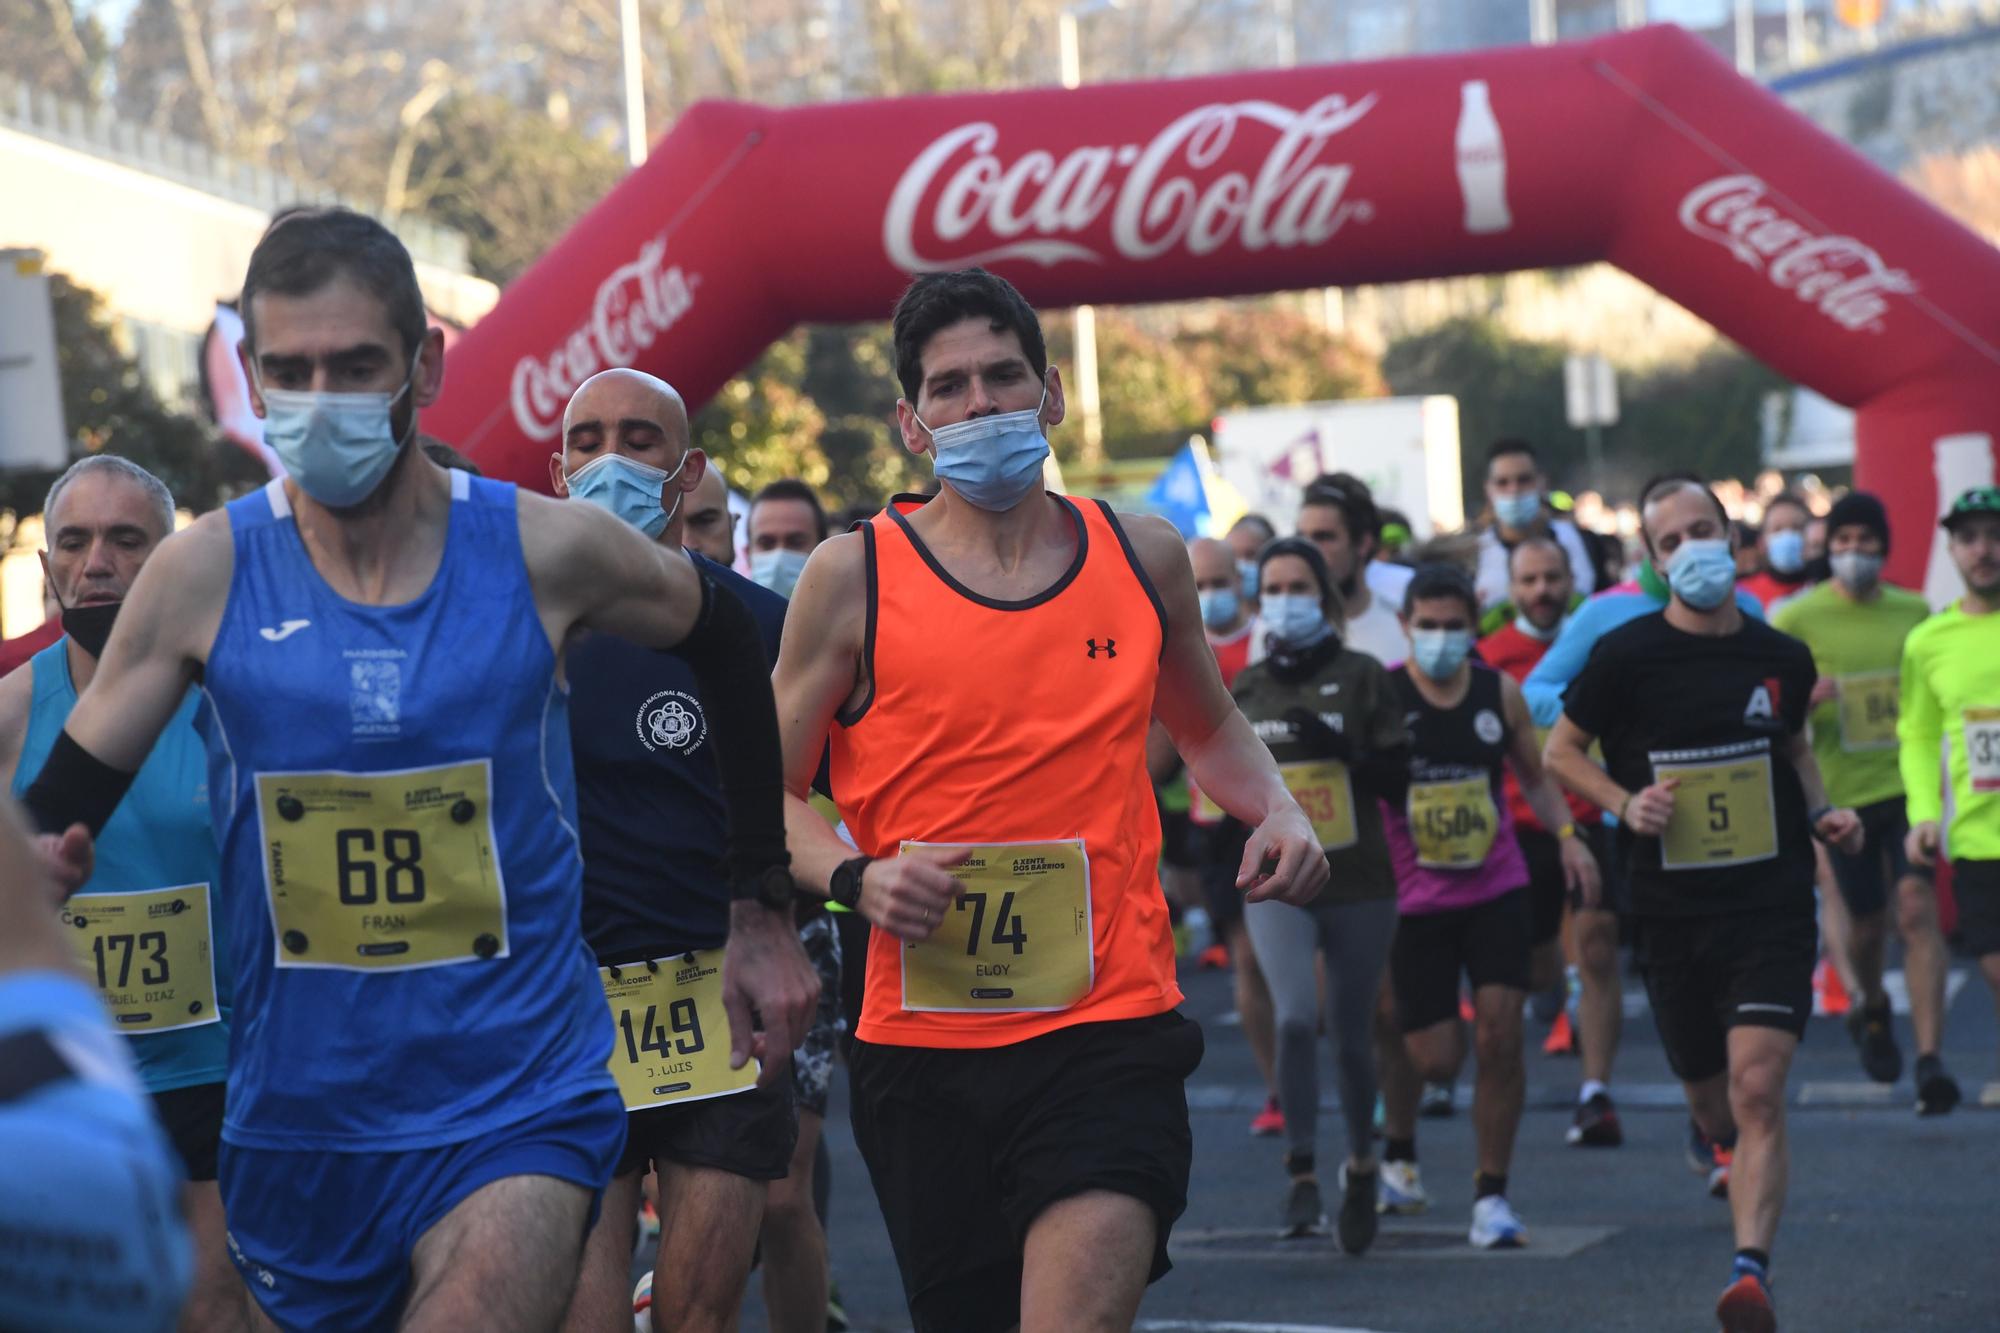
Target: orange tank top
[{"x": 992, "y": 723}]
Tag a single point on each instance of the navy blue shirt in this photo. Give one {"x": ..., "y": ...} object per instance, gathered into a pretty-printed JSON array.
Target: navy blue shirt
[{"x": 648, "y": 803}]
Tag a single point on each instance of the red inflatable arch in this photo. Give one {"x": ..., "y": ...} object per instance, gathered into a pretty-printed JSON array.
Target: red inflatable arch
[{"x": 1644, "y": 149}]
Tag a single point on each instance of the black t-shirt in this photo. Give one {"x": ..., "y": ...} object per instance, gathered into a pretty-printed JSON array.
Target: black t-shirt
[
  {"x": 1718, "y": 713},
  {"x": 649, "y": 803}
]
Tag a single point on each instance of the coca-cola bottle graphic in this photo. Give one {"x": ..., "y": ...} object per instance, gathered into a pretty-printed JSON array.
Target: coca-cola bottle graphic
[
  {"x": 1482, "y": 162},
  {"x": 1960, "y": 462}
]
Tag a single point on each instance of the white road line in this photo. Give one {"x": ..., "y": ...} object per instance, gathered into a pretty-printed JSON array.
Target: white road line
[{"x": 1208, "y": 1326}]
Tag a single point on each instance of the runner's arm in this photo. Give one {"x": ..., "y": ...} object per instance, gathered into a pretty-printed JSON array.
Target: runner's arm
[
  {"x": 819, "y": 668},
  {"x": 17, "y": 697},
  {"x": 1920, "y": 742},
  {"x": 1544, "y": 797},
  {"x": 1839, "y": 828},
  {"x": 1223, "y": 755},
  {"x": 1568, "y": 758}
]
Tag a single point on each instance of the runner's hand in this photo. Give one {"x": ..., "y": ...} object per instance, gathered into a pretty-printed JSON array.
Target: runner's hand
[
  {"x": 1921, "y": 846},
  {"x": 1300, "y": 873},
  {"x": 908, "y": 895},
  {"x": 1580, "y": 873},
  {"x": 69, "y": 858},
  {"x": 766, "y": 976},
  {"x": 1840, "y": 829},
  {"x": 1647, "y": 813},
  {"x": 1826, "y": 687}
]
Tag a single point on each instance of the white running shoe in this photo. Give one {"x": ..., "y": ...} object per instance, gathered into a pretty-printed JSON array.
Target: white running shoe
[
  {"x": 642, "y": 1305},
  {"x": 1402, "y": 1189},
  {"x": 1494, "y": 1226}
]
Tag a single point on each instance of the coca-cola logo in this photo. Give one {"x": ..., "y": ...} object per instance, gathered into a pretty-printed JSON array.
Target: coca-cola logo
[
  {"x": 1176, "y": 191},
  {"x": 635, "y": 305},
  {"x": 1845, "y": 279}
]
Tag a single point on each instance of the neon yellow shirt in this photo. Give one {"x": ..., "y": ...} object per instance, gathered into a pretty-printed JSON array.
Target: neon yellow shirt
[
  {"x": 1859, "y": 646},
  {"x": 1951, "y": 698}
]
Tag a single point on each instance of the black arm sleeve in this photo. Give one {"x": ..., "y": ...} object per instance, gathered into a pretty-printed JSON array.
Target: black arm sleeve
[
  {"x": 1384, "y": 774},
  {"x": 726, "y": 654},
  {"x": 74, "y": 787}
]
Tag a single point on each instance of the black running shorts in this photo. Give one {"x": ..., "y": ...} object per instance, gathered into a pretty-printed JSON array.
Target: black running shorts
[
  {"x": 967, "y": 1147},
  {"x": 1487, "y": 943},
  {"x": 192, "y": 1118},
  {"x": 1707, "y": 974},
  {"x": 1976, "y": 885},
  {"x": 1866, "y": 879},
  {"x": 750, "y": 1133}
]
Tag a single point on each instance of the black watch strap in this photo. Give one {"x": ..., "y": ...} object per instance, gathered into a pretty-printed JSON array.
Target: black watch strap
[{"x": 845, "y": 885}]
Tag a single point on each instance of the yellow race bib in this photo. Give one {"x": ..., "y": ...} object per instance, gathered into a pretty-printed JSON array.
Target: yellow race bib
[
  {"x": 1982, "y": 748},
  {"x": 1019, "y": 937},
  {"x": 383, "y": 871},
  {"x": 1723, "y": 813},
  {"x": 1453, "y": 822},
  {"x": 151, "y": 954},
  {"x": 1868, "y": 705},
  {"x": 672, "y": 1034},
  {"x": 1202, "y": 808},
  {"x": 1322, "y": 789}
]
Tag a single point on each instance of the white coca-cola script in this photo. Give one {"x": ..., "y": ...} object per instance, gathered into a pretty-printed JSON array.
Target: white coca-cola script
[
  {"x": 1173, "y": 191},
  {"x": 634, "y": 306},
  {"x": 1845, "y": 279}
]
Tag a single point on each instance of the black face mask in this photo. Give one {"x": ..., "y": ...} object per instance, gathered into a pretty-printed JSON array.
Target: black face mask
[{"x": 90, "y": 626}]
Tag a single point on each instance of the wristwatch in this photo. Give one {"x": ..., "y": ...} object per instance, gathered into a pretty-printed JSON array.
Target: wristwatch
[
  {"x": 772, "y": 887},
  {"x": 845, "y": 885}
]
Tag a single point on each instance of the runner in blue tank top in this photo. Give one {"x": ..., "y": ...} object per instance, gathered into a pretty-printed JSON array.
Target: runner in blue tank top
[
  {"x": 142, "y": 926},
  {"x": 420, "y": 1117}
]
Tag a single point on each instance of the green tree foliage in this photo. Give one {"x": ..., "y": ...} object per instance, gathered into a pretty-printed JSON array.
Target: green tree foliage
[{"x": 109, "y": 408}]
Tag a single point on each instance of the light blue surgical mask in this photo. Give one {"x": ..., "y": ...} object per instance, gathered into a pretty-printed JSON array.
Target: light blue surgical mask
[
  {"x": 1293, "y": 617},
  {"x": 1219, "y": 607},
  {"x": 777, "y": 569},
  {"x": 1528, "y": 628},
  {"x": 1518, "y": 510},
  {"x": 336, "y": 446},
  {"x": 1702, "y": 573},
  {"x": 628, "y": 488},
  {"x": 1786, "y": 551},
  {"x": 1248, "y": 569},
  {"x": 1439, "y": 653},
  {"x": 994, "y": 462}
]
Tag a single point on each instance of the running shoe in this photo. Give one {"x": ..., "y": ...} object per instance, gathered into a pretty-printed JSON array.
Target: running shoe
[
  {"x": 1745, "y": 1307},
  {"x": 1402, "y": 1190},
  {"x": 836, "y": 1312},
  {"x": 1358, "y": 1192},
  {"x": 642, "y": 1304},
  {"x": 1718, "y": 1176},
  {"x": 1437, "y": 1102},
  {"x": 1494, "y": 1226},
  {"x": 1268, "y": 1123},
  {"x": 1215, "y": 958},
  {"x": 1562, "y": 1037},
  {"x": 1937, "y": 1090},
  {"x": 1700, "y": 1150},
  {"x": 1595, "y": 1124},
  {"x": 1304, "y": 1213},
  {"x": 1875, "y": 1038}
]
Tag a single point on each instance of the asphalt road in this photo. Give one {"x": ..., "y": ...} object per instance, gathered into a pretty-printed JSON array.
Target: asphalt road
[{"x": 1893, "y": 1222}]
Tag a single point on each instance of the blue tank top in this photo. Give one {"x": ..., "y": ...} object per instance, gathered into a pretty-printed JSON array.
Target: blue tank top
[
  {"x": 653, "y": 821},
  {"x": 158, "y": 838},
  {"x": 397, "y": 812}
]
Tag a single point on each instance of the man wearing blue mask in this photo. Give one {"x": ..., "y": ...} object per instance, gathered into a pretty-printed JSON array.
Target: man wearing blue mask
[
  {"x": 1781, "y": 544},
  {"x": 1702, "y": 714},
  {"x": 655, "y": 894},
  {"x": 785, "y": 523},
  {"x": 1517, "y": 499},
  {"x": 421, "y": 1042},
  {"x": 987, "y": 664}
]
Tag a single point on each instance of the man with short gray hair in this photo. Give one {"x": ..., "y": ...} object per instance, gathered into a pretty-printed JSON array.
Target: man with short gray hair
[{"x": 143, "y": 924}]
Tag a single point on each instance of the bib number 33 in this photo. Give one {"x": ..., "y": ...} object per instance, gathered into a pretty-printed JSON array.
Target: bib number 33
[{"x": 383, "y": 871}]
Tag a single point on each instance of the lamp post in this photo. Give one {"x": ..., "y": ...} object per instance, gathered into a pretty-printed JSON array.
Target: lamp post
[
  {"x": 1070, "y": 54},
  {"x": 635, "y": 86}
]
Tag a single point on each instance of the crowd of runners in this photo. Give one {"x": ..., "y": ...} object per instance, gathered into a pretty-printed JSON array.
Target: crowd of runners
[{"x": 481, "y": 886}]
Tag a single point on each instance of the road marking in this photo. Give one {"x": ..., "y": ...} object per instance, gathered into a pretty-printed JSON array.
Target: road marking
[
  {"x": 1236, "y": 1326},
  {"x": 1398, "y": 1239}
]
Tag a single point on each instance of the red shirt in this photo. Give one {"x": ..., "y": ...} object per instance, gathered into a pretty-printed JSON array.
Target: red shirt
[
  {"x": 1767, "y": 588},
  {"x": 1508, "y": 649},
  {"x": 15, "y": 651}
]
